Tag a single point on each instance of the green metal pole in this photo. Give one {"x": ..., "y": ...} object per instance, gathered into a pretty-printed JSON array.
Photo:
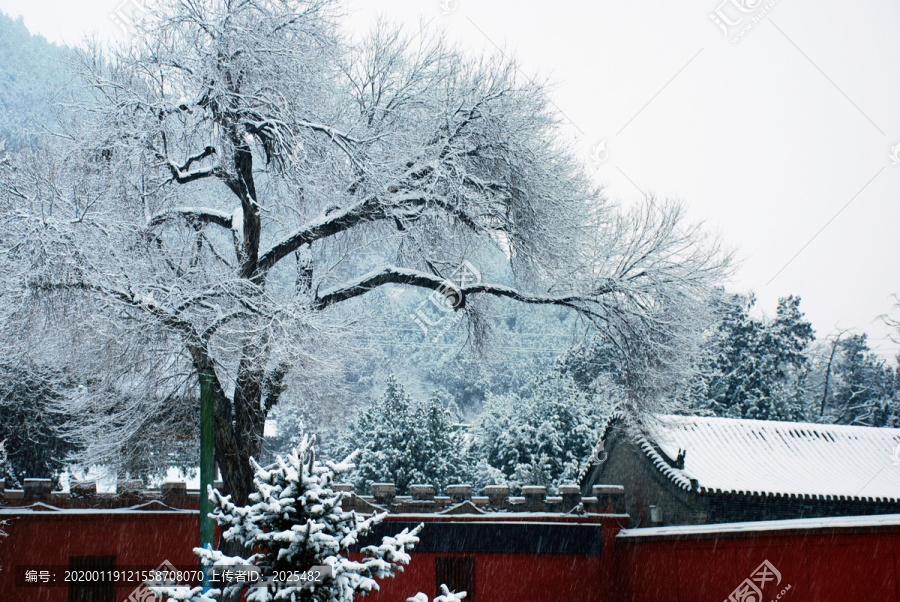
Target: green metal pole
[{"x": 207, "y": 457}]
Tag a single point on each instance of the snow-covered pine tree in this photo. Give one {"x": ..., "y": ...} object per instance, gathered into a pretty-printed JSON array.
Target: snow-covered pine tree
[
  {"x": 756, "y": 367},
  {"x": 6, "y": 470},
  {"x": 405, "y": 443},
  {"x": 385, "y": 436},
  {"x": 31, "y": 424},
  {"x": 861, "y": 386},
  {"x": 441, "y": 445},
  {"x": 542, "y": 436},
  {"x": 294, "y": 521}
]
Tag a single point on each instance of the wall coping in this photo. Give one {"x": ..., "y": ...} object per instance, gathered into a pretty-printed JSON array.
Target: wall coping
[{"x": 866, "y": 522}]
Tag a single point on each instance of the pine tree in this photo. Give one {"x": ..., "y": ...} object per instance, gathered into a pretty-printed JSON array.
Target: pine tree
[
  {"x": 28, "y": 423},
  {"x": 294, "y": 521},
  {"x": 756, "y": 368},
  {"x": 385, "y": 435},
  {"x": 861, "y": 386},
  {"x": 441, "y": 446},
  {"x": 6, "y": 469},
  {"x": 542, "y": 436},
  {"x": 405, "y": 443}
]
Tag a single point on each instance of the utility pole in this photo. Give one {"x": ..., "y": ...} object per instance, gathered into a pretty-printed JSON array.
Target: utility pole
[{"x": 207, "y": 459}]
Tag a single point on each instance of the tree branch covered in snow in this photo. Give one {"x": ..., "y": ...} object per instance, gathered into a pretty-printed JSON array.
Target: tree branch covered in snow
[{"x": 446, "y": 596}]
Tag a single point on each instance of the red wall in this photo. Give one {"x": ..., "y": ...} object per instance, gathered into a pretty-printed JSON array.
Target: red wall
[
  {"x": 514, "y": 577},
  {"x": 834, "y": 565},
  {"x": 135, "y": 539},
  {"x": 820, "y": 565},
  {"x": 505, "y": 578}
]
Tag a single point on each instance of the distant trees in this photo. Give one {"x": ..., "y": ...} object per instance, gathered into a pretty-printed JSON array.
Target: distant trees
[
  {"x": 858, "y": 387},
  {"x": 29, "y": 423},
  {"x": 404, "y": 442},
  {"x": 754, "y": 368},
  {"x": 31, "y": 71},
  {"x": 772, "y": 369},
  {"x": 542, "y": 436}
]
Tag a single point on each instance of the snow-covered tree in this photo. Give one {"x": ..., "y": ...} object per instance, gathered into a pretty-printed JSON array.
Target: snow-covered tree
[
  {"x": 857, "y": 385},
  {"x": 446, "y": 596},
  {"x": 588, "y": 361},
  {"x": 755, "y": 367},
  {"x": 29, "y": 426},
  {"x": 324, "y": 419},
  {"x": 31, "y": 70},
  {"x": 244, "y": 175},
  {"x": 292, "y": 522},
  {"x": 7, "y": 473},
  {"x": 544, "y": 435},
  {"x": 442, "y": 445},
  {"x": 405, "y": 443}
]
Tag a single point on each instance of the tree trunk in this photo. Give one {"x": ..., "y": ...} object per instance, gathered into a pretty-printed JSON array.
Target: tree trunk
[
  {"x": 828, "y": 375},
  {"x": 239, "y": 437}
]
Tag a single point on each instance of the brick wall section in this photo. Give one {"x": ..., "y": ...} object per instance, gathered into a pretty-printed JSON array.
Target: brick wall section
[
  {"x": 644, "y": 486},
  {"x": 104, "y": 501},
  {"x": 604, "y": 500},
  {"x": 825, "y": 564}
]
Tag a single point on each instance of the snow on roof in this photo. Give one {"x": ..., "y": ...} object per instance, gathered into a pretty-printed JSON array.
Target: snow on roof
[
  {"x": 724, "y": 455},
  {"x": 795, "y": 524}
]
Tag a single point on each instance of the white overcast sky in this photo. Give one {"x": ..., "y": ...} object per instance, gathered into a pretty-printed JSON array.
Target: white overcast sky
[{"x": 780, "y": 141}]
